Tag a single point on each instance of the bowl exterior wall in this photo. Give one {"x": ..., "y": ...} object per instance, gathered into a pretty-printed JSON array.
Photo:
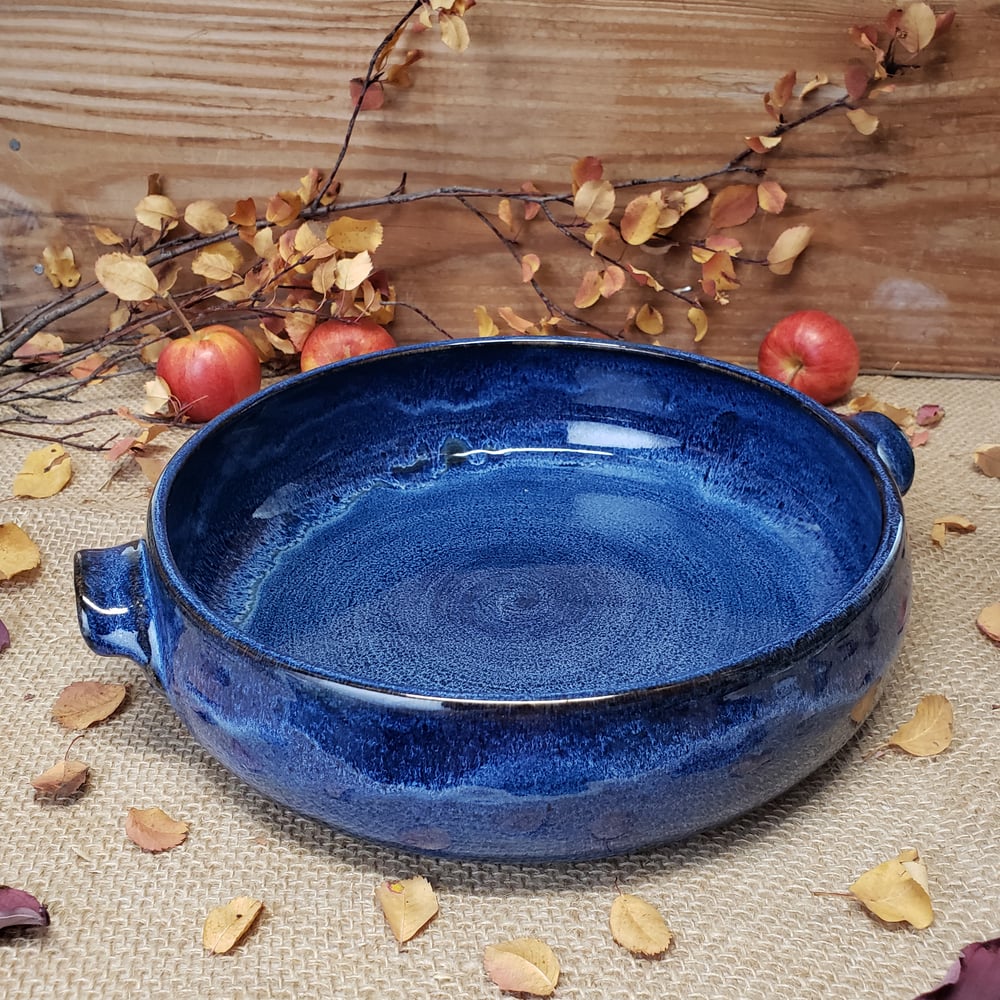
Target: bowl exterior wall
[{"x": 534, "y": 781}]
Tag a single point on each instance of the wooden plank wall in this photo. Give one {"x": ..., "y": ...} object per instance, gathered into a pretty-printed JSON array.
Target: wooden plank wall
[{"x": 229, "y": 99}]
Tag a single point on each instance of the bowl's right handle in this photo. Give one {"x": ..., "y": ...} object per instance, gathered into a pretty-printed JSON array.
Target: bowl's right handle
[
  {"x": 113, "y": 601},
  {"x": 890, "y": 444}
]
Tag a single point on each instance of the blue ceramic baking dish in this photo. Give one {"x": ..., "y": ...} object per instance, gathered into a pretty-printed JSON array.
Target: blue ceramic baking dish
[{"x": 525, "y": 599}]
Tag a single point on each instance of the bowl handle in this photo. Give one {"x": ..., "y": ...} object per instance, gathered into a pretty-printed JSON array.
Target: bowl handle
[
  {"x": 890, "y": 444},
  {"x": 113, "y": 601}
]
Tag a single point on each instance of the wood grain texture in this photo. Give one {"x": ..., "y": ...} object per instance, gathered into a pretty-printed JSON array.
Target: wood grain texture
[{"x": 230, "y": 100}]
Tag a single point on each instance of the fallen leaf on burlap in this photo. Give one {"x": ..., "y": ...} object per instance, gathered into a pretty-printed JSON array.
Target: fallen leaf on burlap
[
  {"x": 929, "y": 415},
  {"x": 61, "y": 780},
  {"x": 84, "y": 703},
  {"x": 929, "y": 732},
  {"x": 988, "y": 621},
  {"x": 20, "y": 909},
  {"x": 408, "y": 905},
  {"x": 159, "y": 399},
  {"x": 974, "y": 975},
  {"x": 950, "y": 522},
  {"x": 900, "y": 416},
  {"x": 524, "y": 965},
  {"x": 44, "y": 473},
  {"x": 897, "y": 891},
  {"x": 639, "y": 926},
  {"x": 18, "y": 553},
  {"x": 227, "y": 925},
  {"x": 987, "y": 459},
  {"x": 4, "y": 636},
  {"x": 153, "y": 830}
]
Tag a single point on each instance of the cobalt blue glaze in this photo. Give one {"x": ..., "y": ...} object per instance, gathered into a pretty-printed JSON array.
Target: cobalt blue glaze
[{"x": 526, "y": 598}]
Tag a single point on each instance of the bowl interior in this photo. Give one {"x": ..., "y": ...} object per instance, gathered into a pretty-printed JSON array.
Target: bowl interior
[{"x": 520, "y": 520}]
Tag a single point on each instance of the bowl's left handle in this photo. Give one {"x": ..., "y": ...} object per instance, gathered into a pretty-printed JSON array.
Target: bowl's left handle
[{"x": 114, "y": 603}]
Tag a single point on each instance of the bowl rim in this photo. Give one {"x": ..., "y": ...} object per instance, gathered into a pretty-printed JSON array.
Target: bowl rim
[{"x": 776, "y": 656}]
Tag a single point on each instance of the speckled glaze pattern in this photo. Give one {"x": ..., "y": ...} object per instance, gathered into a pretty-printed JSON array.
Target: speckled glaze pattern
[{"x": 527, "y": 599}]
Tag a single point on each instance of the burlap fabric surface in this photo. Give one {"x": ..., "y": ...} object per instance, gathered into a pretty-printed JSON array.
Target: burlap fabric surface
[{"x": 740, "y": 900}]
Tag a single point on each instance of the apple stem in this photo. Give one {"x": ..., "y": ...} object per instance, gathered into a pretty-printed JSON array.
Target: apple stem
[{"x": 169, "y": 299}]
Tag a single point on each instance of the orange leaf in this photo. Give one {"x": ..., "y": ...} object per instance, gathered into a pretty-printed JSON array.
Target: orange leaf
[
  {"x": 589, "y": 291},
  {"x": 641, "y": 218},
  {"x": 587, "y": 168},
  {"x": 733, "y": 206},
  {"x": 84, "y": 703},
  {"x": 153, "y": 830},
  {"x": 530, "y": 263},
  {"x": 988, "y": 621},
  {"x": 61, "y": 780},
  {"x": 771, "y": 197}
]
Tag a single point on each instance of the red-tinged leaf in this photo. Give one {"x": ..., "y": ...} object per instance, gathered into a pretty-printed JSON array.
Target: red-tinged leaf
[
  {"x": 371, "y": 99},
  {"x": 4, "y": 637},
  {"x": 525, "y": 965},
  {"x": 531, "y": 208},
  {"x": 733, "y": 206},
  {"x": 771, "y": 197},
  {"x": 974, "y": 975},
  {"x": 781, "y": 94},
  {"x": 726, "y": 244},
  {"x": 588, "y": 168},
  {"x": 929, "y": 415},
  {"x": 61, "y": 780},
  {"x": 20, "y": 909},
  {"x": 944, "y": 23},
  {"x": 612, "y": 281},
  {"x": 245, "y": 213},
  {"x": 865, "y": 36},
  {"x": 857, "y": 79},
  {"x": 643, "y": 278},
  {"x": 641, "y": 217}
]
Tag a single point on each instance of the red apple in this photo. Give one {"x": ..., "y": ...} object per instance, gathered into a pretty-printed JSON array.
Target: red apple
[
  {"x": 210, "y": 370},
  {"x": 812, "y": 352},
  {"x": 337, "y": 339}
]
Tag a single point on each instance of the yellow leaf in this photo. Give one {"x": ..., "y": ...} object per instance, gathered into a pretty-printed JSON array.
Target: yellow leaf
[
  {"x": 762, "y": 143},
  {"x": 159, "y": 400},
  {"x": 917, "y": 27},
  {"x": 599, "y": 232},
  {"x": 129, "y": 278},
  {"x": 206, "y": 217},
  {"x": 18, "y": 553},
  {"x": 950, "y": 522},
  {"x": 690, "y": 197},
  {"x": 819, "y": 80},
  {"x": 988, "y": 621},
  {"x": 108, "y": 237},
  {"x": 896, "y": 891},
  {"x": 987, "y": 460},
  {"x": 60, "y": 267},
  {"x": 865, "y": 704},
  {"x": 454, "y": 31},
  {"x": 594, "y": 201},
  {"x": 226, "y": 925},
  {"x": 351, "y": 235},
  {"x": 698, "y": 318},
  {"x": 867, "y": 403},
  {"x": 506, "y": 214},
  {"x": 44, "y": 473},
  {"x": 351, "y": 271},
  {"x": 862, "y": 120},
  {"x": 157, "y": 212},
  {"x": 218, "y": 263},
  {"x": 524, "y": 965},
  {"x": 408, "y": 905},
  {"x": 787, "y": 247},
  {"x": 589, "y": 291},
  {"x": 484, "y": 322},
  {"x": 83, "y": 703},
  {"x": 649, "y": 320},
  {"x": 153, "y": 830},
  {"x": 530, "y": 263},
  {"x": 324, "y": 277},
  {"x": 929, "y": 732},
  {"x": 43, "y": 346},
  {"x": 641, "y": 217},
  {"x": 771, "y": 197},
  {"x": 639, "y": 926}
]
